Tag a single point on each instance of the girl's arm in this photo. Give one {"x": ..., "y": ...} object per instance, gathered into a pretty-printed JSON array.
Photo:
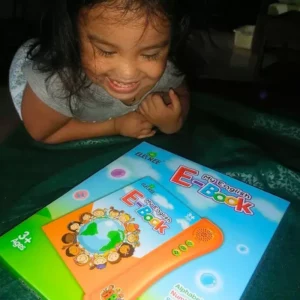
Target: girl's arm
[{"x": 46, "y": 125}]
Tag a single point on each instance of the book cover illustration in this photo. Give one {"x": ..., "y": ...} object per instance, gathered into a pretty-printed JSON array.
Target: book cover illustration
[
  {"x": 112, "y": 234},
  {"x": 239, "y": 210},
  {"x": 201, "y": 238}
]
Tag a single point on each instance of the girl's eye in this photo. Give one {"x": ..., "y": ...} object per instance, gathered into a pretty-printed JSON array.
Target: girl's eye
[
  {"x": 151, "y": 56},
  {"x": 105, "y": 53}
]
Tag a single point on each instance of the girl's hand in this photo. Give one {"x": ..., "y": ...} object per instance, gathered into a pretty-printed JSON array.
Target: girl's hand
[
  {"x": 134, "y": 125},
  {"x": 167, "y": 117}
]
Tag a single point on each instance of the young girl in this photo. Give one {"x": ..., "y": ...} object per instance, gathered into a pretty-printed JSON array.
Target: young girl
[{"x": 105, "y": 67}]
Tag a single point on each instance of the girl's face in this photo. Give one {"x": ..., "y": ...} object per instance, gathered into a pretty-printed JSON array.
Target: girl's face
[{"x": 121, "y": 53}]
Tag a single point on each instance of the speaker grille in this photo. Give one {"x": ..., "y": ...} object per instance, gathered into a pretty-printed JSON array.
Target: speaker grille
[{"x": 203, "y": 234}]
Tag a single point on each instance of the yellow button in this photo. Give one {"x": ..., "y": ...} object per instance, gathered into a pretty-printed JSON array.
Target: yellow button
[
  {"x": 183, "y": 248},
  {"x": 176, "y": 252},
  {"x": 189, "y": 243}
]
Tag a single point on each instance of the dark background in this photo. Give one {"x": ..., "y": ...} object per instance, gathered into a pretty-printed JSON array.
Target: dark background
[{"x": 19, "y": 20}]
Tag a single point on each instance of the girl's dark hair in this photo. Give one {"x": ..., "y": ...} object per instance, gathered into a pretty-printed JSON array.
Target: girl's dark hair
[{"x": 57, "y": 50}]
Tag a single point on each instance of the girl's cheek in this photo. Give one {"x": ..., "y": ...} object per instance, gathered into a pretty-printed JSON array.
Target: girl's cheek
[
  {"x": 93, "y": 64},
  {"x": 155, "y": 69}
]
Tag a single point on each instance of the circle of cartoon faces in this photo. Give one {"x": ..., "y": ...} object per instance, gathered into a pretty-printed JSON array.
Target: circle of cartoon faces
[{"x": 125, "y": 249}]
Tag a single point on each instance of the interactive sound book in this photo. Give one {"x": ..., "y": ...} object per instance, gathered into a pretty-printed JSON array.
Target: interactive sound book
[
  {"x": 116, "y": 232},
  {"x": 151, "y": 226}
]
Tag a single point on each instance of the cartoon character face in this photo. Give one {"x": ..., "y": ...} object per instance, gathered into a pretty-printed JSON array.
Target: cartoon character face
[
  {"x": 114, "y": 213},
  {"x": 69, "y": 238},
  {"x": 124, "y": 217},
  {"x": 98, "y": 213},
  {"x": 74, "y": 226},
  {"x": 126, "y": 250},
  {"x": 86, "y": 217},
  {"x": 82, "y": 259},
  {"x": 133, "y": 238},
  {"x": 73, "y": 251},
  {"x": 100, "y": 260},
  {"x": 131, "y": 227},
  {"x": 113, "y": 257}
]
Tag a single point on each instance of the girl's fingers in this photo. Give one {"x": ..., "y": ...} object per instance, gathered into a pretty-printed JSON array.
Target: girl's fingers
[
  {"x": 157, "y": 102},
  {"x": 147, "y": 126},
  {"x": 143, "y": 136},
  {"x": 145, "y": 131},
  {"x": 144, "y": 107},
  {"x": 141, "y": 110},
  {"x": 175, "y": 101}
]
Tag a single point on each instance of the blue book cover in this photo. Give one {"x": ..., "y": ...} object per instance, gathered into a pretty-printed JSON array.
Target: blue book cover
[{"x": 247, "y": 217}]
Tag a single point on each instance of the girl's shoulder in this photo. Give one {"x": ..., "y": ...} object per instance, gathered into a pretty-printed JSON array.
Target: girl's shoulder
[{"x": 47, "y": 86}]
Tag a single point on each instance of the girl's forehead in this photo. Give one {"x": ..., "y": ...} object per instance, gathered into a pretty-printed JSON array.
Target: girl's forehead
[
  {"x": 130, "y": 32},
  {"x": 110, "y": 17}
]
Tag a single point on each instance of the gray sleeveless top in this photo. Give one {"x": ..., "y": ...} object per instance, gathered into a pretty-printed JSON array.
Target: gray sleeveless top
[{"x": 98, "y": 105}]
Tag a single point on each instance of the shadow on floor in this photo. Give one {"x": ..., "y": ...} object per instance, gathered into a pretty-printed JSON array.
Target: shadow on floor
[{"x": 9, "y": 118}]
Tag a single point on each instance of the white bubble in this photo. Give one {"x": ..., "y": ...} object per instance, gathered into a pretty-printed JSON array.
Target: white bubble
[{"x": 242, "y": 249}]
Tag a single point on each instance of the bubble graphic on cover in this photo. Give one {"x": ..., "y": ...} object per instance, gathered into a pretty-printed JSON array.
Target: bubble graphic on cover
[
  {"x": 118, "y": 173},
  {"x": 208, "y": 281},
  {"x": 81, "y": 195},
  {"x": 242, "y": 249}
]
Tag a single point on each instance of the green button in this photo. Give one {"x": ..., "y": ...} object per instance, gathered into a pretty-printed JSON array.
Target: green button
[
  {"x": 176, "y": 252},
  {"x": 190, "y": 243},
  {"x": 183, "y": 248}
]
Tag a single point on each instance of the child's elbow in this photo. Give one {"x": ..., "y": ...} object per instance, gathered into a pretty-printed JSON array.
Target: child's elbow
[
  {"x": 34, "y": 132},
  {"x": 39, "y": 120},
  {"x": 33, "y": 127}
]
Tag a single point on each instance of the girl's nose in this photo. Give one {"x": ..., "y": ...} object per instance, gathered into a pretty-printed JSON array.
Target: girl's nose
[{"x": 127, "y": 71}]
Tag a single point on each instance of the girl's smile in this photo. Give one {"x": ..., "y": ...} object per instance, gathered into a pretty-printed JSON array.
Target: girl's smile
[{"x": 122, "y": 87}]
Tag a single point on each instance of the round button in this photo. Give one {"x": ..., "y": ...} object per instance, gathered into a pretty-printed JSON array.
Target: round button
[
  {"x": 190, "y": 243},
  {"x": 183, "y": 248},
  {"x": 176, "y": 252}
]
